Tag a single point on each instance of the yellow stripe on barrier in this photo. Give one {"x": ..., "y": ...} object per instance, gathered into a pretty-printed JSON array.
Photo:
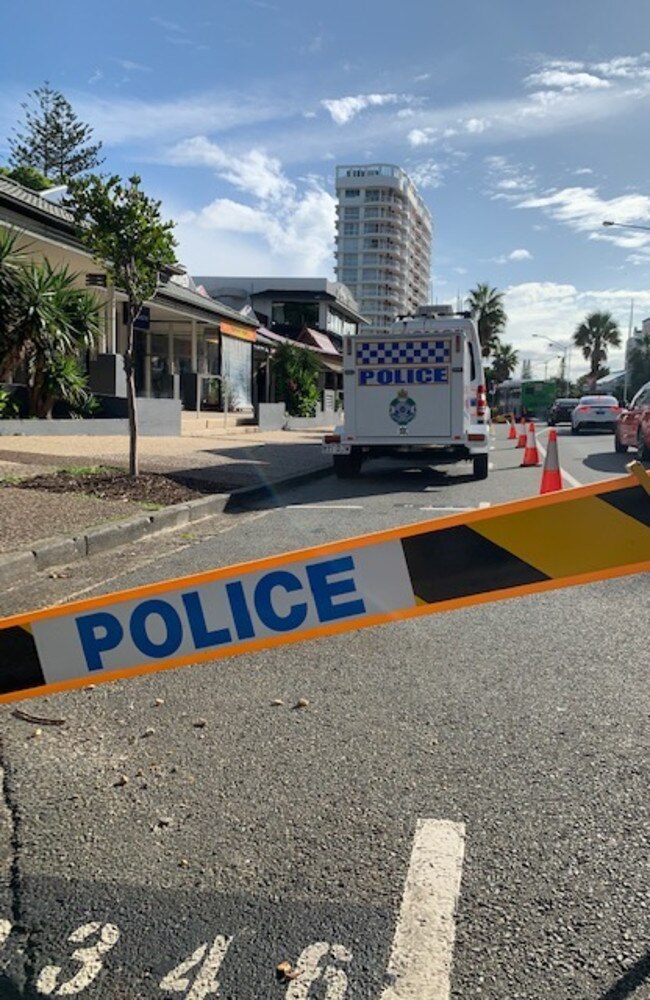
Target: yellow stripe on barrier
[{"x": 557, "y": 540}]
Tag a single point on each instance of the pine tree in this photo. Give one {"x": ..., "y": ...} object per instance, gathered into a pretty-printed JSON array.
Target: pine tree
[{"x": 54, "y": 141}]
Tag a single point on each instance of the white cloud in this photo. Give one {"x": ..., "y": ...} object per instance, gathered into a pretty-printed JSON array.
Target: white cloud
[
  {"x": 344, "y": 109},
  {"x": 555, "y": 310},
  {"x": 566, "y": 81},
  {"x": 476, "y": 125},
  {"x": 584, "y": 210},
  {"x": 583, "y": 171},
  {"x": 427, "y": 173},
  {"x": 422, "y": 136},
  {"x": 421, "y": 77},
  {"x": 254, "y": 172},
  {"x": 119, "y": 121},
  {"x": 132, "y": 67},
  {"x": 97, "y": 75},
  {"x": 520, "y": 255}
]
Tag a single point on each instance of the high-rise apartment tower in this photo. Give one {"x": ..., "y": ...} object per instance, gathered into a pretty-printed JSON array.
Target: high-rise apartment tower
[{"x": 383, "y": 242}]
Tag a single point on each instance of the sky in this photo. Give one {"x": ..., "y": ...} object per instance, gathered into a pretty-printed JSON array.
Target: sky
[{"x": 524, "y": 125}]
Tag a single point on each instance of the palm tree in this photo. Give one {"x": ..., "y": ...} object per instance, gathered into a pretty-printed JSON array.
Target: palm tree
[
  {"x": 50, "y": 321},
  {"x": 11, "y": 262},
  {"x": 504, "y": 361},
  {"x": 598, "y": 332},
  {"x": 486, "y": 307}
]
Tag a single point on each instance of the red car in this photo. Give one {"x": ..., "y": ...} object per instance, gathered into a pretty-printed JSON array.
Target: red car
[{"x": 633, "y": 425}]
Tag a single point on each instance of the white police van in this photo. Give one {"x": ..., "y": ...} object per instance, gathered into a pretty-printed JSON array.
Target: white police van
[{"x": 417, "y": 393}]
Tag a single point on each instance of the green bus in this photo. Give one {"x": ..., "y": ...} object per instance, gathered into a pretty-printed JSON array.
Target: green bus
[{"x": 527, "y": 398}]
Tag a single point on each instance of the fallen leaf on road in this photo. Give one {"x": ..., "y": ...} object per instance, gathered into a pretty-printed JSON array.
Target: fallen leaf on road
[
  {"x": 277, "y": 701},
  {"x": 148, "y": 732},
  {"x": 122, "y": 780},
  {"x": 285, "y": 971},
  {"x": 159, "y": 701},
  {"x": 302, "y": 703},
  {"x": 200, "y": 723}
]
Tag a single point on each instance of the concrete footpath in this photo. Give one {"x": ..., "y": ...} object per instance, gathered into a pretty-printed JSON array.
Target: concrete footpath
[{"x": 41, "y": 529}]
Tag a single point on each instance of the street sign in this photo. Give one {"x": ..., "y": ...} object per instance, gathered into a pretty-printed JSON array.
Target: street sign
[{"x": 524, "y": 547}]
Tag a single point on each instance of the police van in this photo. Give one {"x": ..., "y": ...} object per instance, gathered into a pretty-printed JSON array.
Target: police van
[{"x": 417, "y": 393}]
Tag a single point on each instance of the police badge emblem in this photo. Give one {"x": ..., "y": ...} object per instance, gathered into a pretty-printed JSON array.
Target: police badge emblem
[{"x": 402, "y": 409}]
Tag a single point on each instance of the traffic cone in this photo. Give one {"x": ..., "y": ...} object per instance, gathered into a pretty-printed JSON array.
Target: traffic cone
[
  {"x": 531, "y": 455},
  {"x": 521, "y": 439},
  {"x": 551, "y": 476},
  {"x": 512, "y": 431}
]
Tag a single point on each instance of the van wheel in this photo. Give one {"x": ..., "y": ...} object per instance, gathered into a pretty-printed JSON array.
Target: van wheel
[
  {"x": 643, "y": 452},
  {"x": 347, "y": 466},
  {"x": 480, "y": 466},
  {"x": 618, "y": 445}
]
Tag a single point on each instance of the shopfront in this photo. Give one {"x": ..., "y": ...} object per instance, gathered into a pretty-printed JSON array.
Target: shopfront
[{"x": 237, "y": 344}]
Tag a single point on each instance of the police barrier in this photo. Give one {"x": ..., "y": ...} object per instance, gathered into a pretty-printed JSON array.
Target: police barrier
[{"x": 556, "y": 540}]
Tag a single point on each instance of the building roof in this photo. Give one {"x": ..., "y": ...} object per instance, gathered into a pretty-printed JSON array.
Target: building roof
[
  {"x": 18, "y": 204},
  {"x": 320, "y": 341},
  {"x": 318, "y": 288},
  {"x": 329, "y": 361}
]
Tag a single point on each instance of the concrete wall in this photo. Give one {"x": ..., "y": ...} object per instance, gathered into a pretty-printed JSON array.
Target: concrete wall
[
  {"x": 156, "y": 418},
  {"x": 271, "y": 416}
]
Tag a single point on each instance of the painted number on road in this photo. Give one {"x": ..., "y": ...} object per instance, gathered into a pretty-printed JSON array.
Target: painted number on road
[
  {"x": 206, "y": 983},
  {"x": 311, "y": 969},
  {"x": 90, "y": 959}
]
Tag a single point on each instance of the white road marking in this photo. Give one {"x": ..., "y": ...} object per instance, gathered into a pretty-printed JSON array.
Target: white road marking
[
  {"x": 90, "y": 960},
  {"x": 311, "y": 970},
  {"x": 421, "y": 957},
  {"x": 484, "y": 504},
  {"x": 565, "y": 475},
  {"x": 450, "y": 510},
  {"x": 324, "y": 506},
  {"x": 206, "y": 983}
]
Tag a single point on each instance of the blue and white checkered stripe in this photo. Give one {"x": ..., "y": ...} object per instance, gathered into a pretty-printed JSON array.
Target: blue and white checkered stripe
[{"x": 408, "y": 352}]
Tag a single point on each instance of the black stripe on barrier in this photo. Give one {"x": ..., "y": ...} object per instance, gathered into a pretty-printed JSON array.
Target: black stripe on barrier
[
  {"x": 631, "y": 501},
  {"x": 20, "y": 666},
  {"x": 458, "y": 562}
]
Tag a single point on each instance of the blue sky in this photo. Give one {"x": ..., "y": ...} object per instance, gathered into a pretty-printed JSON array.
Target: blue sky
[{"x": 525, "y": 125}]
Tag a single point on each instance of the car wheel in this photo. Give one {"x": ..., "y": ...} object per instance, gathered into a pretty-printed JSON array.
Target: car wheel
[
  {"x": 480, "y": 466},
  {"x": 551, "y": 423},
  {"x": 642, "y": 450},
  {"x": 575, "y": 428},
  {"x": 618, "y": 445}
]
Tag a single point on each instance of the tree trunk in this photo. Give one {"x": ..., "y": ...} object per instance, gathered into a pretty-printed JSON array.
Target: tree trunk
[{"x": 134, "y": 468}]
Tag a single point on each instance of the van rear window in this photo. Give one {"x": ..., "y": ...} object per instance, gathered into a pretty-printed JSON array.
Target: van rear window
[{"x": 471, "y": 360}]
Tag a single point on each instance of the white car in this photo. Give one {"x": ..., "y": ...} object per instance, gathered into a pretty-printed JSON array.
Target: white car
[{"x": 596, "y": 412}]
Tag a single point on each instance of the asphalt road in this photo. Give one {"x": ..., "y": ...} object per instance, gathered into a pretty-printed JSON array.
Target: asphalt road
[{"x": 189, "y": 832}]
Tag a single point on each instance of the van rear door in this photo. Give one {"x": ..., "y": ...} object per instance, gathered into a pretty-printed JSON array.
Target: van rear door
[{"x": 403, "y": 385}]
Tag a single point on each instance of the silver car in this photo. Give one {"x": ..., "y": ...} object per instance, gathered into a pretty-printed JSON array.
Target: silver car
[{"x": 596, "y": 412}]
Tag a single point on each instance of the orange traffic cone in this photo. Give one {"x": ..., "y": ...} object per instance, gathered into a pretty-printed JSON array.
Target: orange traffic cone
[
  {"x": 512, "y": 431},
  {"x": 531, "y": 455},
  {"x": 521, "y": 439},
  {"x": 551, "y": 476}
]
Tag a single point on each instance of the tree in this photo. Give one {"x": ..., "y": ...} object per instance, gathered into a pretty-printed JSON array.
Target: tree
[
  {"x": 53, "y": 139},
  {"x": 51, "y": 322},
  {"x": 296, "y": 377},
  {"x": 526, "y": 369},
  {"x": 123, "y": 230},
  {"x": 486, "y": 307},
  {"x": 11, "y": 262},
  {"x": 29, "y": 177},
  {"x": 639, "y": 364},
  {"x": 504, "y": 361},
  {"x": 594, "y": 335}
]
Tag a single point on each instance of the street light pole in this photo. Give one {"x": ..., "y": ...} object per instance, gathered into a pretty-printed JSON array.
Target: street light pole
[{"x": 565, "y": 348}]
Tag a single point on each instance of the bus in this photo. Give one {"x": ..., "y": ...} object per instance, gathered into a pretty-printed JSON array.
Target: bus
[{"x": 527, "y": 398}]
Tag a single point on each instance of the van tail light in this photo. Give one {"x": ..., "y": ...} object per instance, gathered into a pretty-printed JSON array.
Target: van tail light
[{"x": 481, "y": 401}]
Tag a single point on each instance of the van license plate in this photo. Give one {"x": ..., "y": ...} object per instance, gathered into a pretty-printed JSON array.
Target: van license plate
[{"x": 337, "y": 449}]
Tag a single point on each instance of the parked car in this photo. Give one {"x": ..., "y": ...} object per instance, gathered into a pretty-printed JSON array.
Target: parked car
[
  {"x": 597, "y": 412},
  {"x": 633, "y": 425},
  {"x": 560, "y": 412}
]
